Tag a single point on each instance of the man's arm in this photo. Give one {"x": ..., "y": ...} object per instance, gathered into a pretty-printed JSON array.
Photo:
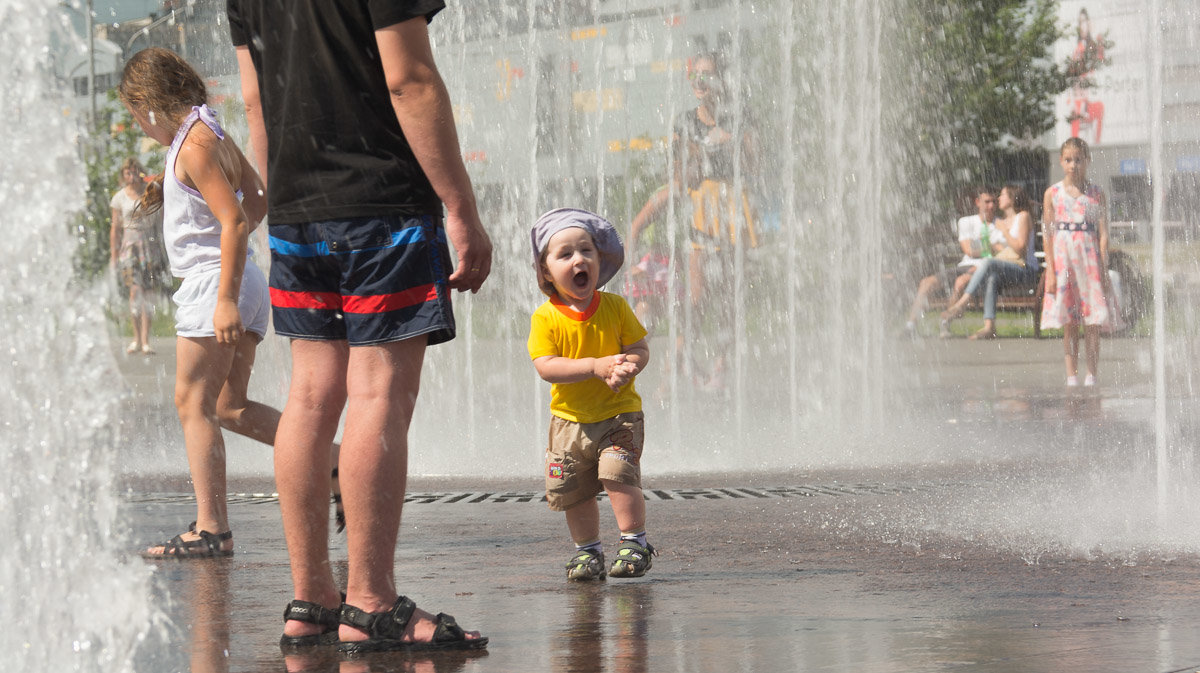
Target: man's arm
[
  {"x": 970, "y": 246},
  {"x": 422, "y": 107},
  {"x": 254, "y": 113}
]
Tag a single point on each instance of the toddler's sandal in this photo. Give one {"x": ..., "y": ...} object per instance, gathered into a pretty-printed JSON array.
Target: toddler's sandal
[{"x": 633, "y": 560}]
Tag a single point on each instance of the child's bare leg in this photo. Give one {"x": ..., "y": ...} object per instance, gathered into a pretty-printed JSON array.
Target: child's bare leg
[
  {"x": 583, "y": 521},
  {"x": 144, "y": 323},
  {"x": 236, "y": 411},
  {"x": 628, "y": 504},
  {"x": 140, "y": 319},
  {"x": 202, "y": 366},
  {"x": 1091, "y": 346},
  {"x": 634, "y": 552},
  {"x": 1071, "y": 349},
  {"x": 141, "y": 316}
]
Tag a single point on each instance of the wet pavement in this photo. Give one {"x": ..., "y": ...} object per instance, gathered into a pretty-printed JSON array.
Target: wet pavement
[
  {"x": 823, "y": 570},
  {"x": 751, "y": 576}
]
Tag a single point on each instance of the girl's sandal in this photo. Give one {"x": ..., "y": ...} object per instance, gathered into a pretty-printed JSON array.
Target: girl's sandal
[
  {"x": 983, "y": 335},
  {"x": 207, "y": 546}
]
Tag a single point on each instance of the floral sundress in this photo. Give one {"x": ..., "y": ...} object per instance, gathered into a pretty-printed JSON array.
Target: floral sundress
[{"x": 1080, "y": 296}]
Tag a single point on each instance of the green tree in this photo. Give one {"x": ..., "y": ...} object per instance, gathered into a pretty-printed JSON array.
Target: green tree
[
  {"x": 970, "y": 96},
  {"x": 988, "y": 75}
]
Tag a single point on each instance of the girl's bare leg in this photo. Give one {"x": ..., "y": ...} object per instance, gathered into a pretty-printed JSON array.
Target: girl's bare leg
[
  {"x": 141, "y": 316},
  {"x": 201, "y": 368},
  {"x": 1091, "y": 345},
  {"x": 140, "y": 319},
  {"x": 1071, "y": 349},
  {"x": 236, "y": 411}
]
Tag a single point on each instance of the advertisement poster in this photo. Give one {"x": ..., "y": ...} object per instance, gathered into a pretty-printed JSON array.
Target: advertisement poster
[{"x": 1114, "y": 111}]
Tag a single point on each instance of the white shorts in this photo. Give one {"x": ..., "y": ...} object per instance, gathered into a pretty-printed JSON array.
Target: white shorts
[{"x": 196, "y": 300}]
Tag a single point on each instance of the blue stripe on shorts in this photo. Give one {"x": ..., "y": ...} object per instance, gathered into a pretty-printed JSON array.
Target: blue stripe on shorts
[{"x": 367, "y": 280}]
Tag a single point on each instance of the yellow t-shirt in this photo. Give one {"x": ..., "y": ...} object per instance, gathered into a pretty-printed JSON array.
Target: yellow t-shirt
[{"x": 604, "y": 329}]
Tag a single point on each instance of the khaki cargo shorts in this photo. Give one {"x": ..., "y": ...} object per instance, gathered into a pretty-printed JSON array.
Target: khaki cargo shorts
[{"x": 581, "y": 454}]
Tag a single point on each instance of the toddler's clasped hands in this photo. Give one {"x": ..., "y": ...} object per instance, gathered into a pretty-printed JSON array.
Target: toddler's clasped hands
[{"x": 615, "y": 370}]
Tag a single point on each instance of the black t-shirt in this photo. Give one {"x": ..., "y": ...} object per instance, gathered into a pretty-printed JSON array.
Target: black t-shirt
[
  {"x": 335, "y": 148},
  {"x": 712, "y": 160}
]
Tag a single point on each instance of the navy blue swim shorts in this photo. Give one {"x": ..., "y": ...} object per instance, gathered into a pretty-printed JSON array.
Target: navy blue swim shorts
[{"x": 368, "y": 280}]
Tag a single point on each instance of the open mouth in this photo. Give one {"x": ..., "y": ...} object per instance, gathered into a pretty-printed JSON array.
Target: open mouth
[{"x": 580, "y": 280}]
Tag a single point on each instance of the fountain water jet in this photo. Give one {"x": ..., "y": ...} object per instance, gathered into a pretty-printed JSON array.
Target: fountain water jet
[
  {"x": 83, "y": 604},
  {"x": 547, "y": 107}
]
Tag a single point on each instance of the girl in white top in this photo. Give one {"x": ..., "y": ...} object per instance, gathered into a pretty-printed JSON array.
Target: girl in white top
[
  {"x": 134, "y": 250},
  {"x": 206, "y": 226}
]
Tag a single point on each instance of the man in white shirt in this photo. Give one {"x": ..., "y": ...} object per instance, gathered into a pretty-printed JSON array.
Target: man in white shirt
[{"x": 970, "y": 238}]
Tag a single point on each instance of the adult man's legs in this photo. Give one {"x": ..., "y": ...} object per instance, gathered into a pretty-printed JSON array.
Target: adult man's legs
[
  {"x": 382, "y": 385},
  {"x": 302, "y": 467}
]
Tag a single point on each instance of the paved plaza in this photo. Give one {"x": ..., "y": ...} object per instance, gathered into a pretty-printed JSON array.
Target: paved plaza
[{"x": 963, "y": 565}]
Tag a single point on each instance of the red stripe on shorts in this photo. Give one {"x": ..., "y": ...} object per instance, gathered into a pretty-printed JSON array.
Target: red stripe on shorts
[
  {"x": 382, "y": 303},
  {"x": 317, "y": 300}
]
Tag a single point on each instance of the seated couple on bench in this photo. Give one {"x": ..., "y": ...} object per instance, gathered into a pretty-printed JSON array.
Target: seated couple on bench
[{"x": 1008, "y": 259}]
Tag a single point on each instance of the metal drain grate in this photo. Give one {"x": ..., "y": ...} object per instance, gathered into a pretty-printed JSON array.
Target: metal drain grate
[{"x": 675, "y": 494}]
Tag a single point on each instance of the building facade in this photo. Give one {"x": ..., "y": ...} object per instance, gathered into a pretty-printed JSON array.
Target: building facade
[{"x": 1116, "y": 116}]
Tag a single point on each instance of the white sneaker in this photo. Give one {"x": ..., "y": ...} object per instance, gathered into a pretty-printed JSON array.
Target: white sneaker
[
  {"x": 1089, "y": 380},
  {"x": 1072, "y": 381}
]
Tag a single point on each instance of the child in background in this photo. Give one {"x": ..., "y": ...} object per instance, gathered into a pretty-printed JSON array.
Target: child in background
[
  {"x": 133, "y": 242},
  {"x": 1075, "y": 216},
  {"x": 211, "y": 199},
  {"x": 648, "y": 281},
  {"x": 590, "y": 346}
]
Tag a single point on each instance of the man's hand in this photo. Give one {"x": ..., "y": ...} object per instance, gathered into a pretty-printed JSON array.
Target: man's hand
[{"x": 474, "y": 249}]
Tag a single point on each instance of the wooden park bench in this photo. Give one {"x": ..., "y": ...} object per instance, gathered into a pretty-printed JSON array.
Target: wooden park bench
[
  {"x": 1017, "y": 297},
  {"x": 1029, "y": 296}
]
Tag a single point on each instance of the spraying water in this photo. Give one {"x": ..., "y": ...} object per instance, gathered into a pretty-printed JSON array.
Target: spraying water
[
  {"x": 83, "y": 605},
  {"x": 555, "y": 113}
]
